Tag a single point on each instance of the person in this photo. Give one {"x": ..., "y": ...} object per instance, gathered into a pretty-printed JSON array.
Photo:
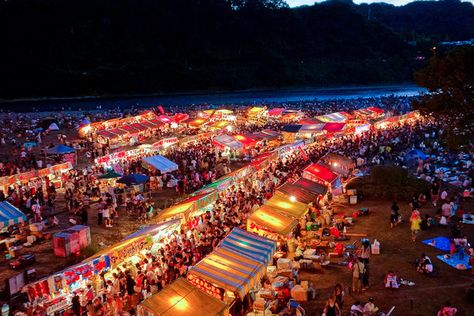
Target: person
[
  {"x": 370, "y": 308},
  {"x": 357, "y": 273},
  {"x": 76, "y": 304},
  {"x": 415, "y": 221},
  {"x": 394, "y": 215},
  {"x": 471, "y": 259},
  {"x": 357, "y": 309},
  {"x": 339, "y": 294},
  {"x": 447, "y": 310},
  {"x": 424, "y": 264},
  {"x": 391, "y": 281},
  {"x": 331, "y": 308},
  {"x": 435, "y": 192}
]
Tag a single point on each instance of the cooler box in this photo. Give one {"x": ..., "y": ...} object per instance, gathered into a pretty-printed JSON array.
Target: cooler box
[
  {"x": 84, "y": 234},
  {"x": 61, "y": 244},
  {"x": 299, "y": 294},
  {"x": 353, "y": 199},
  {"x": 284, "y": 263},
  {"x": 74, "y": 241}
]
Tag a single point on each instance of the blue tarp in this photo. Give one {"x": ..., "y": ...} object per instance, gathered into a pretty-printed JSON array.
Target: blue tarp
[
  {"x": 161, "y": 163},
  {"x": 60, "y": 150},
  {"x": 133, "y": 179},
  {"x": 414, "y": 155},
  {"x": 441, "y": 243},
  {"x": 454, "y": 260},
  {"x": 10, "y": 215}
]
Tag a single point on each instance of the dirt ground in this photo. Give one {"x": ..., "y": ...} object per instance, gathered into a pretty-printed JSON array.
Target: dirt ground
[{"x": 398, "y": 253}]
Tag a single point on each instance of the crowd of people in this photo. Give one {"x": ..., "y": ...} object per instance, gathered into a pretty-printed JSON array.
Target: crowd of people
[{"x": 200, "y": 163}]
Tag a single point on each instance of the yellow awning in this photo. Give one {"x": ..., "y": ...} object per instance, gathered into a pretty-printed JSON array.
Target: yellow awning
[
  {"x": 274, "y": 221},
  {"x": 183, "y": 298},
  {"x": 284, "y": 205}
]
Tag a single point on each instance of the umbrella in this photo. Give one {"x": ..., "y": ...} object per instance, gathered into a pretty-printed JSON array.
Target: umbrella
[
  {"x": 133, "y": 179},
  {"x": 109, "y": 175}
]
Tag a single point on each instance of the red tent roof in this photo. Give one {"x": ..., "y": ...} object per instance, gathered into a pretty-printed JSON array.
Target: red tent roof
[
  {"x": 246, "y": 141},
  {"x": 305, "y": 121},
  {"x": 334, "y": 127},
  {"x": 376, "y": 110},
  {"x": 321, "y": 172},
  {"x": 276, "y": 111},
  {"x": 139, "y": 126},
  {"x": 180, "y": 117}
]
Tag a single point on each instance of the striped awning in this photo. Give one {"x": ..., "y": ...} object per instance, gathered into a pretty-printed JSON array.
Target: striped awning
[
  {"x": 10, "y": 215},
  {"x": 237, "y": 264}
]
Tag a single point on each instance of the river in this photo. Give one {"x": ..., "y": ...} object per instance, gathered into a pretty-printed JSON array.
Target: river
[{"x": 241, "y": 97}]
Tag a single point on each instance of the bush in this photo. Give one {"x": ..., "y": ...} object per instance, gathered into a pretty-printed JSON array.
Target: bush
[{"x": 389, "y": 182}]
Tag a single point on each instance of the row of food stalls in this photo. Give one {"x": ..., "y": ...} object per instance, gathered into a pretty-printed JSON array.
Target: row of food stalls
[
  {"x": 37, "y": 178},
  {"x": 54, "y": 293},
  {"x": 130, "y": 130},
  {"x": 244, "y": 142},
  {"x": 393, "y": 121},
  {"x": 280, "y": 214}
]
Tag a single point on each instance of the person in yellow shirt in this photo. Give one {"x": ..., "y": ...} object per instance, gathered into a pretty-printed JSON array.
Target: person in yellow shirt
[{"x": 415, "y": 221}]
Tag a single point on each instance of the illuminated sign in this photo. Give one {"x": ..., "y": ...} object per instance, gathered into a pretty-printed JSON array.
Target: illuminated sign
[{"x": 207, "y": 287}]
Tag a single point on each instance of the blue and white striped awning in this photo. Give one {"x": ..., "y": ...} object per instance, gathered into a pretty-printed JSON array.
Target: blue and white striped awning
[
  {"x": 10, "y": 215},
  {"x": 250, "y": 245},
  {"x": 237, "y": 264}
]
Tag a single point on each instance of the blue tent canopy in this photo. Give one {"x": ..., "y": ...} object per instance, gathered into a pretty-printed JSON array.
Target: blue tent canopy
[
  {"x": 133, "y": 179},
  {"x": 60, "y": 150},
  {"x": 161, "y": 163},
  {"x": 292, "y": 128},
  {"x": 415, "y": 154},
  {"x": 10, "y": 215}
]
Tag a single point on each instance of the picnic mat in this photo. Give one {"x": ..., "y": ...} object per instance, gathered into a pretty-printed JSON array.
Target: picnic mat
[
  {"x": 454, "y": 260},
  {"x": 441, "y": 243},
  {"x": 468, "y": 219}
]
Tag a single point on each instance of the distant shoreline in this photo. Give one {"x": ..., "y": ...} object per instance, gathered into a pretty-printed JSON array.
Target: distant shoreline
[{"x": 182, "y": 99}]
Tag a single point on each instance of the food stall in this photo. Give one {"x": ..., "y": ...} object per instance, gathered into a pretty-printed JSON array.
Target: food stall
[
  {"x": 269, "y": 223},
  {"x": 334, "y": 128},
  {"x": 55, "y": 292},
  {"x": 182, "y": 298},
  {"x": 321, "y": 174},
  {"x": 338, "y": 164},
  {"x": 336, "y": 117},
  {"x": 67, "y": 154},
  {"x": 256, "y": 113},
  {"x": 10, "y": 215},
  {"x": 276, "y": 112},
  {"x": 288, "y": 206},
  {"x": 398, "y": 120},
  {"x": 220, "y": 125},
  {"x": 311, "y": 186},
  {"x": 248, "y": 140},
  {"x": 235, "y": 267},
  {"x": 290, "y": 132},
  {"x": 160, "y": 163},
  {"x": 369, "y": 113},
  {"x": 291, "y": 191},
  {"x": 220, "y": 185},
  {"x": 228, "y": 143},
  {"x": 191, "y": 207}
]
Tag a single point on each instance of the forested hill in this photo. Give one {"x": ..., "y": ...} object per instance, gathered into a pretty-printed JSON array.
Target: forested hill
[{"x": 96, "y": 47}]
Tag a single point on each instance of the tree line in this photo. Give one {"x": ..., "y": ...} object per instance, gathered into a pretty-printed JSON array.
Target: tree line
[{"x": 103, "y": 47}]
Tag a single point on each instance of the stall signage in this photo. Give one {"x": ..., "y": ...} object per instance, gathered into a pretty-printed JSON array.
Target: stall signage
[
  {"x": 166, "y": 142},
  {"x": 127, "y": 251},
  {"x": 207, "y": 287},
  {"x": 62, "y": 304}
]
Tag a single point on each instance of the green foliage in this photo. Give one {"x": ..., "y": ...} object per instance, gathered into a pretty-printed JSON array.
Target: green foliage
[
  {"x": 90, "y": 250},
  {"x": 450, "y": 79},
  {"x": 388, "y": 182},
  {"x": 91, "y": 47}
]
